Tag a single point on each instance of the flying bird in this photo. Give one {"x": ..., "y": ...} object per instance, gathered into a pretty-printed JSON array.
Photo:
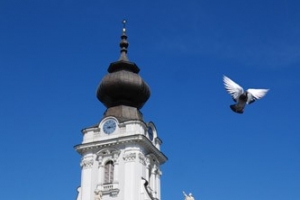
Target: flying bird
[{"x": 240, "y": 96}]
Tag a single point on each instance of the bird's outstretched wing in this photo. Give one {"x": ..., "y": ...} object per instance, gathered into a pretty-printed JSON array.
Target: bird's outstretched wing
[
  {"x": 254, "y": 94},
  {"x": 234, "y": 89}
]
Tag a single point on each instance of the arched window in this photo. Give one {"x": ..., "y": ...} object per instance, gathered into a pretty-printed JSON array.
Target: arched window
[{"x": 109, "y": 172}]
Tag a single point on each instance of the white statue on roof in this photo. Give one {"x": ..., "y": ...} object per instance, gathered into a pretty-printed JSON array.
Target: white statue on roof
[
  {"x": 98, "y": 194},
  {"x": 188, "y": 197}
]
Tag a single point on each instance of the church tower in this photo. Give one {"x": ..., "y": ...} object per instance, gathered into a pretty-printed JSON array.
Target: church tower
[{"x": 120, "y": 156}]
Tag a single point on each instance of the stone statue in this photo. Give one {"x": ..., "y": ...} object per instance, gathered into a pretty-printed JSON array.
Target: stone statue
[
  {"x": 78, "y": 193},
  {"x": 98, "y": 194},
  {"x": 188, "y": 197}
]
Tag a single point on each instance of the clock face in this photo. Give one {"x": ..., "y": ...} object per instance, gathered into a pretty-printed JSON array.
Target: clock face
[
  {"x": 150, "y": 133},
  {"x": 109, "y": 126}
]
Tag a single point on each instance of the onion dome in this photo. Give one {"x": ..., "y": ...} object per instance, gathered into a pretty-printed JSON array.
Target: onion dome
[{"x": 123, "y": 86}]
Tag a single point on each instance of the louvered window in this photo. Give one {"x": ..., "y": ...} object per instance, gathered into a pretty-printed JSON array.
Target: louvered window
[{"x": 109, "y": 172}]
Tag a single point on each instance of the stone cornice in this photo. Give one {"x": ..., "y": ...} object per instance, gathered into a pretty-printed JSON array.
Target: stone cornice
[{"x": 141, "y": 139}]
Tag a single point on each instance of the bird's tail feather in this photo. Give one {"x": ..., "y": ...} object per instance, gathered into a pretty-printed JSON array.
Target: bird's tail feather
[{"x": 236, "y": 109}]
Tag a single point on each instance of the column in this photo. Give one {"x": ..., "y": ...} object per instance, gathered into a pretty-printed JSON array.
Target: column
[
  {"x": 158, "y": 191},
  {"x": 86, "y": 176},
  {"x": 100, "y": 171},
  {"x": 153, "y": 180}
]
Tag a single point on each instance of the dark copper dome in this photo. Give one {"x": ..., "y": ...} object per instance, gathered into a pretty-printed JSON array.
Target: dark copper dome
[{"x": 122, "y": 86}]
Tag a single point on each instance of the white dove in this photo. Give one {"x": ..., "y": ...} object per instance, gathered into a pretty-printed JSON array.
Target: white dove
[{"x": 240, "y": 96}]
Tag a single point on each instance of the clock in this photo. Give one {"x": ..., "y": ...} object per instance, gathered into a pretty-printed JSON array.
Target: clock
[
  {"x": 109, "y": 126},
  {"x": 150, "y": 133}
]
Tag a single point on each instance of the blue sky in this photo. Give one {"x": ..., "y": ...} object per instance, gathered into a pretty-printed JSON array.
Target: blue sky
[{"x": 54, "y": 53}]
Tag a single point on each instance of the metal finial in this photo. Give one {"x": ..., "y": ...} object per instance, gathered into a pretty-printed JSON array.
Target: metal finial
[
  {"x": 124, "y": 25},
  {"x": 124, "y": 42}
]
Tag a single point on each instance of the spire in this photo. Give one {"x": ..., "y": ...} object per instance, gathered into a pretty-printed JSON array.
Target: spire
[
  {"x": 124, "y": 43},
  {"x": 122, "y": 91}
]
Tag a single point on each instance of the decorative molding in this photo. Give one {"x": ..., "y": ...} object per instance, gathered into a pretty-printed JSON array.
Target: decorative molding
[
  {"x": 159, "y": 172},
  {"x": 151, "y": 160},
  {"x": 99, "y": 159},
  {"x": 154, "y": 169},
  {"x": 115, "y": 155},
  {"x": 129, "y": 157},
  {"x": 86, "y": 164},
  {"x": 109, "y": 189},
  {"x": 140, "y": 139},
  {"x": 142, "y": 159},
  {"x": 107, "y": 154}
]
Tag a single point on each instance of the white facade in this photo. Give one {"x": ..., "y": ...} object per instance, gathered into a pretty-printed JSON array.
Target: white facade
[{"x": 120, "y": 161}]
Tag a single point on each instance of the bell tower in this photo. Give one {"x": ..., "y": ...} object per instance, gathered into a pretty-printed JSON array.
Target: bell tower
[{"x": 120, "y": 156}]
